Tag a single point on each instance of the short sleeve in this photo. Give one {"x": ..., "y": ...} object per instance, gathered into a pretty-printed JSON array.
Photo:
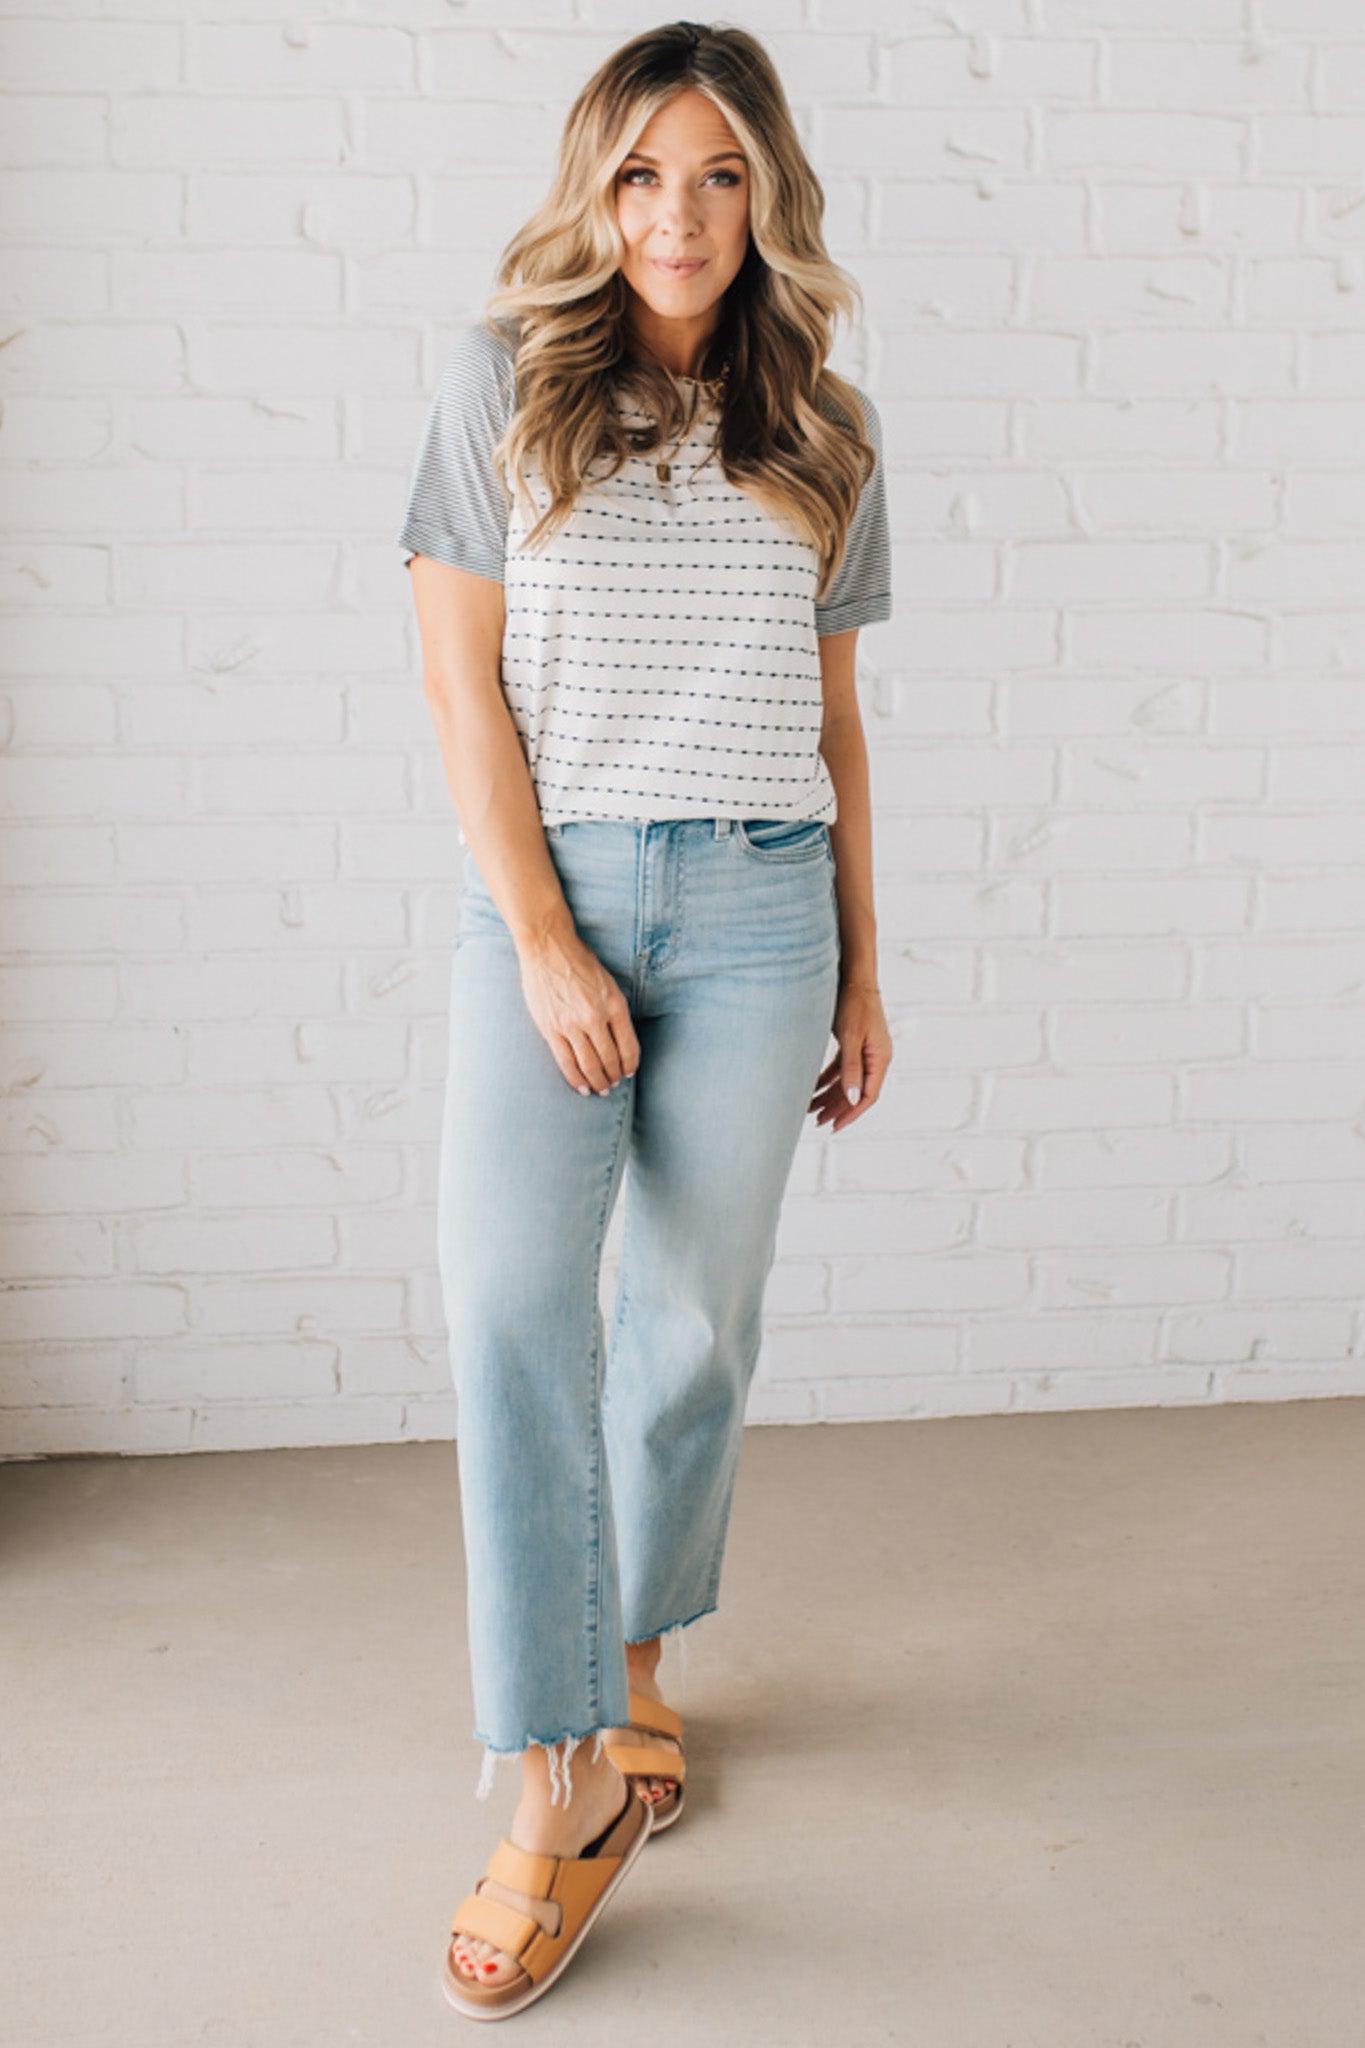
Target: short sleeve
[
  {"x": 861, "y": 590},
  {"x": 457, "y": 508}
]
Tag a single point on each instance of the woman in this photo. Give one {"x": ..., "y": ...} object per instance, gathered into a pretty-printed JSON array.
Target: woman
[{"x": 639, "y": 657}]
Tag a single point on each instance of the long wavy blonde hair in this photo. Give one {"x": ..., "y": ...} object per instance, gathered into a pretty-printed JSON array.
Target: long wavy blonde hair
[{"x": 790, "y": 432}]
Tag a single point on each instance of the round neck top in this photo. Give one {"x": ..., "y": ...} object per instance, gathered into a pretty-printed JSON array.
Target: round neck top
[{"x": 660, "y": 654}]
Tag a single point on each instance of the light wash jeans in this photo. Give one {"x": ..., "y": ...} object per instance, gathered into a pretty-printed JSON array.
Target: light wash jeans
[{"x": 596, "y": 1482}]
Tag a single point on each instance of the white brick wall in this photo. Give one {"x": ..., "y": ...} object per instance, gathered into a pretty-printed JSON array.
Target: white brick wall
[{"x": 1113, "y": 254}]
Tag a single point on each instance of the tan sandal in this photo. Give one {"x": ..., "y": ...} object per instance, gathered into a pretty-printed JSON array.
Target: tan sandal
[
  {"x": 565, "y": 1894},
  {"x": 651, "y": 1759}
]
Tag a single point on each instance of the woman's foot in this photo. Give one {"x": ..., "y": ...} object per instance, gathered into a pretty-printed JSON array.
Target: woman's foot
[
  {"x": 642, "y": 1662},
  {"x": 545, "y": 1830}
]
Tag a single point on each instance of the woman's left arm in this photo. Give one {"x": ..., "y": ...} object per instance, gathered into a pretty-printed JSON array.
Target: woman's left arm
[{"x": 852, "y": 1081}]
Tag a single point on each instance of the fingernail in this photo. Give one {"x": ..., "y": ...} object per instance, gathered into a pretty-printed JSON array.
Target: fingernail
[
  {"x": 853, "y": 1094},
  {"x": 583, "y": 1088}
]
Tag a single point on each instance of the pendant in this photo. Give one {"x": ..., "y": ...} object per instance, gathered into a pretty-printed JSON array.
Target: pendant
[{"x": 662, "y": 471}]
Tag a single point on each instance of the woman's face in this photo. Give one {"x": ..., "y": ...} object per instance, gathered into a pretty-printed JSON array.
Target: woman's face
[{"x": 682, "y": 193}]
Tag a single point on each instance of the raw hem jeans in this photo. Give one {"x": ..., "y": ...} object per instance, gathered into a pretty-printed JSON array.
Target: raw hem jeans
[{"x": 596, "y": 1479}]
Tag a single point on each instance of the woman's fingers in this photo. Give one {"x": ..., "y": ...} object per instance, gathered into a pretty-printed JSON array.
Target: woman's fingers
[
  {"x": 849, "y": 1083},
  {"x": 598, "y": 1059},
  {"x": 621, "y": 1025},
  {"x": 826, "y": 1074},
  {"x": 605, "y": 1046},
  {"x": 585, "y": 1020},
  {"x": 831, "y": 1098}
]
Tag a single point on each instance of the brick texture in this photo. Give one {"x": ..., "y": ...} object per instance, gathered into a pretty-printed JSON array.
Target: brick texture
[{"x": 1113, "y": 261}]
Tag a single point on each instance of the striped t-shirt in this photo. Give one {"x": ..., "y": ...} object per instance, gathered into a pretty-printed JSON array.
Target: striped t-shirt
[{"x": 660, "y": 653}]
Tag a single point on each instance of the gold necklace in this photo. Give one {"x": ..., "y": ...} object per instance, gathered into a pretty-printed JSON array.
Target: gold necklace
[{"x": 664, "y": 468}]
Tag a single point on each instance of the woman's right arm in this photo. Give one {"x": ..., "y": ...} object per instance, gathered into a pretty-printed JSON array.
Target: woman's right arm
[{"x": 576, "y": 1003}]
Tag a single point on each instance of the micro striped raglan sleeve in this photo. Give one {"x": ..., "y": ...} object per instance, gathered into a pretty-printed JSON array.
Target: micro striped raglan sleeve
[
  {"x": 861, "y": 590},
  {"x": 457, "y": 508}
]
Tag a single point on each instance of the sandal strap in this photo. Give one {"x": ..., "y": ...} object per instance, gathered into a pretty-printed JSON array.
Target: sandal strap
[
  {"x": 653, "y": 1714},
  {"x": 647, "y": 1760},
  {"x": 522, "y": 1870},
  {"x": 491, "y": 1920},
  {"x": 579, "y": 1883}
]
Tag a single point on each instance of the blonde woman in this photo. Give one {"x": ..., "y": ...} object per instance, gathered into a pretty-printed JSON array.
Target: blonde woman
[{"x": 644, "y": 526}]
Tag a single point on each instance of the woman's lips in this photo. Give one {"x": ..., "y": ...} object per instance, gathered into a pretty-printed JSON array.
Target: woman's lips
[{"x": 677, "y": 269}]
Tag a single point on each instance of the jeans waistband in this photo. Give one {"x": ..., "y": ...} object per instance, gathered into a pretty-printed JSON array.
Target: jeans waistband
[{"x": 715, "y": 828}]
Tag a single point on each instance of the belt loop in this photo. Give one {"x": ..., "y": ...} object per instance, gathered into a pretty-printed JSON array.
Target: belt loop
[
  {"x": 553, "y": 831},
  {"x": 722, "y": 828}
]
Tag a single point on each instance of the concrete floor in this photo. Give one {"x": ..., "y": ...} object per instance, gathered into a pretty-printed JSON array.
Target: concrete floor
[{"x": 1039, "y": 1731}]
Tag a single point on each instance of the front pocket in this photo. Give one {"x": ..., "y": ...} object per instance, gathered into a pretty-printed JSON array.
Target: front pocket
[{"x": 779, "y": 839}]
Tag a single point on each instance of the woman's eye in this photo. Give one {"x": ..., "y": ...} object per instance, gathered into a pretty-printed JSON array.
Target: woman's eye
[{"x": 639, "y": 171}]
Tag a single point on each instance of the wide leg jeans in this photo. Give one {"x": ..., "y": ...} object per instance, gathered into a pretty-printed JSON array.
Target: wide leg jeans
[{"x": 597, "y": 1472}]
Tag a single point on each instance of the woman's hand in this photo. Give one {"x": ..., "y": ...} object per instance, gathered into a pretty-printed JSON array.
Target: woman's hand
[
  {"x": 852, "y": 1081},
  {"x": 580, "y": 1012}
]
